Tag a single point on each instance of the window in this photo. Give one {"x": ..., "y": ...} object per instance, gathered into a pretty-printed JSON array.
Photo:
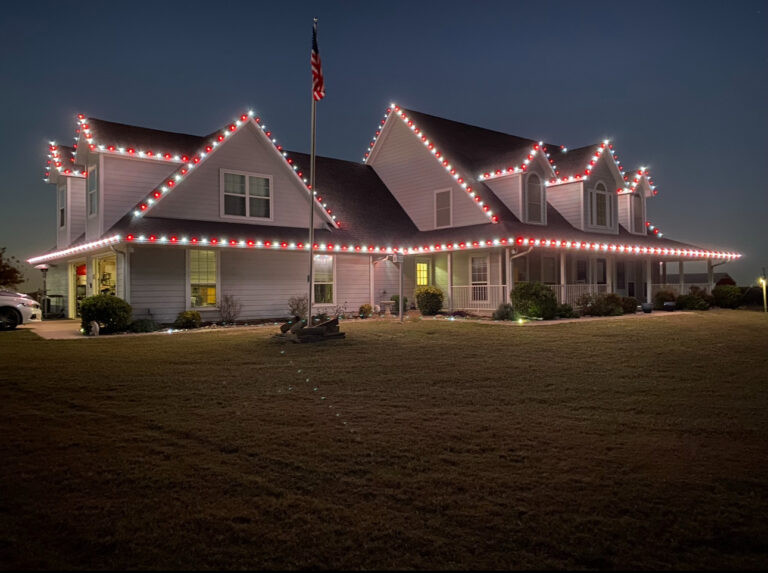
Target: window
[
  {"x": 422, "y": 274},
  {"x": 581, "y": 271},
  {"x": 479, "y": 272},
  {"x": 202, "y": 277},
  {"x": 443, "y": 208},
  {"x": 246, "y": 195},
  {"x": 93, "y": 190},
  {"x": 548, "y": 270},
  {"x": 600, "y": 207},
  {"x": 322, "y": 271},
  {"x": 534, "y": 199},
  {"x": 637, "y": 213},
  {"x": 61, "y": 189},
  {"x": 621, "y": 277},
  {"x": 600, "y": 269}
]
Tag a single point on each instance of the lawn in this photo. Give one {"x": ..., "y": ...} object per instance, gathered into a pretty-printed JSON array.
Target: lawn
[{"x": 633, "y": 443}]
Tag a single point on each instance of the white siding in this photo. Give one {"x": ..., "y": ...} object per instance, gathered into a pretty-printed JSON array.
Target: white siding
[
  {"x": 126, "y": 182},
  {"x": 352, "y": 281},
  {"x": 158, "y": 278},
  {"x": 198, "y": 197},
  {"x": 386, "y": 280},
  {"x": 76, "y": 214},
  {"x": 413, "y": 175},
  {"x": 567, "y": 199},
  {"x": 509, "y": 189},
  {"x": 625, "y": 212}
]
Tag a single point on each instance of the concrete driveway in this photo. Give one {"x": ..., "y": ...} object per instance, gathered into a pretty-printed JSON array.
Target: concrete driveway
[{"x": 55, "y": 329}]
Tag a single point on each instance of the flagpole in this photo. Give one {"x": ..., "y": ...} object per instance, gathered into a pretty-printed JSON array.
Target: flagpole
[{"x": 311, "y": 206}]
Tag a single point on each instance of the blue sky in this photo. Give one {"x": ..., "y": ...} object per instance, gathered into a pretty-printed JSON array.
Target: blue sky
[{"x": 680, "y": 87}]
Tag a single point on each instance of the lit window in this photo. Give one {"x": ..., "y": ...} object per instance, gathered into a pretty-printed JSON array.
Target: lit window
[
  {"x": 202, "y": 277},
  {"x": 62, "y": 198},
  {"x": 245, "y": 195},
  {"x": 534, "y": 199},
  {"x": 93, "y": 190},
  {"x": 322, "y": 270},
  {"x": 479, "y": 270},
  {"x": 422, "y": 274},
  {"x": 443, "y": 208}
]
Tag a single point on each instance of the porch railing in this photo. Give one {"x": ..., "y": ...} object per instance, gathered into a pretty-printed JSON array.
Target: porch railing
[
  {"x": 675, "y": 288},
  {"x": 569, "y": 294},
  {"x": 478, "y": 297}
]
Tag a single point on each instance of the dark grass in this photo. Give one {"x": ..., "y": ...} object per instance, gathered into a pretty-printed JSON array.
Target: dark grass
[{"x": 634, "y": 443}]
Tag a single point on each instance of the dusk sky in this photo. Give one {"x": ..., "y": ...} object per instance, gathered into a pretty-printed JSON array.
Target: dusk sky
[{"x": 680, "y": 87}]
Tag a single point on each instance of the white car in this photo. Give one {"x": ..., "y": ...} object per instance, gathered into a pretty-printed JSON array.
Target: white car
[{"x": 17, "y": 308}]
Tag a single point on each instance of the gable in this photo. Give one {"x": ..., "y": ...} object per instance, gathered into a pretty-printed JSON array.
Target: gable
[
  {"x": 247, "y": 151},
  {"x": 605, "y": 170},
  {"x": 412, "y": 174}
]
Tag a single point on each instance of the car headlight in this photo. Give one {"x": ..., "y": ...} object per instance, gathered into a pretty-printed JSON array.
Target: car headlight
[{"x": 30, "y": 303}]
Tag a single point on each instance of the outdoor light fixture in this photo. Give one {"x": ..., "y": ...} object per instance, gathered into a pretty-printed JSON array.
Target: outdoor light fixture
[{"x": 762, "y": 281}]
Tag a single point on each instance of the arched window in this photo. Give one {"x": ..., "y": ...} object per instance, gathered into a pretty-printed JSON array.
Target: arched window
[
  {"x": 637, "y": 213},
  {"x": 534, "y": 199},
  {"x": 600, "y": 207}
]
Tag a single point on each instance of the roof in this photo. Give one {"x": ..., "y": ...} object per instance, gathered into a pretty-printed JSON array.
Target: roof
[{"x": 122, "y": 135}]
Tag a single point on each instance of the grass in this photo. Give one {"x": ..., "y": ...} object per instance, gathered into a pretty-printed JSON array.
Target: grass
[{"x": 635, "y": 443}]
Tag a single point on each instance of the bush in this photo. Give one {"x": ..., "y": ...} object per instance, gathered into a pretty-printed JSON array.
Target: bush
[
  {"x": 534, "y": 300},
  {"x": 112, "y": 313},
  {"x": 566, "y": 311},
  {"x": 396, "y": 298},
  {"x": 752, "y": 296},
  {"x": 297, "y": 306},
  {"x": 600, "y": 304},
  {"x": 704, "y": 295},
  {"x": 505, "y": 311},
  {"x": 629, "y": 304},
  {"x": 188, "y": 319},
  {"x": 229, "y": 308},
  {"x": 663, "y": 296},
  {"x": 691, "y": 302},
  {"x": 143, "y": 325},
  {"x": 365, "y": 310},
  {"x": 727, "y": 296},
  {"x": 429, "y": 299}
]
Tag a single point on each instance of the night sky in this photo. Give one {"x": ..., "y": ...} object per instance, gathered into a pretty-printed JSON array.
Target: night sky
[{"x": 680, "y": 87}]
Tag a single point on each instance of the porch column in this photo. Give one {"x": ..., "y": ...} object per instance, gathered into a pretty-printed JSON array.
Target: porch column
[
  {"x": 648, "y": 269},
  {"x": 710, "y": 275},
  {"x": 450, "y": 281},
  {"x": 400, "y": 304},
  {"x": 508, "y": 275},
  {"x": 371, "y": 274},
  {"x": 610, "y": 267},
  {"x": 681, "y": 277},
  {"x": 563, "y": 277}
]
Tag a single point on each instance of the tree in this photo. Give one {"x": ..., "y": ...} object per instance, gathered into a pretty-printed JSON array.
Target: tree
[{"x": 10, "y": 274}]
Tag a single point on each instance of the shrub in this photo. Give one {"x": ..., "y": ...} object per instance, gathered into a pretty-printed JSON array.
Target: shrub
[
  {"x": 727, "y": 296},
  {"x": 112, "y": 313},
  {"x": 600, "y": 304},
  {"x": 143, "y": 325},
  {"x": 566, "y": 311},
  {"x": 365, "y": 310},
  {"x": 229, "y": 308},
  {"x": 752, "y": 296},
  {"x": 704, "y": 295},
  {"x": 396, "y": 298},
  {"x": 691, "y": 302},
  {"x": 429, "y": 299},
  {"x": 188, "y": 319},
  {"x": 534, "y": 300},
  {"x": 297, "y": 306},
  {"x": 629, "y": 304},
  {"x": 663, "y": 296},
  {"x": 505, "y": 311}
]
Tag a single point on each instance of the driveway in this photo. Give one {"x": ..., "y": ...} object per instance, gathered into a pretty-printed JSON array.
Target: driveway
[{"x": 55, "y": 329}]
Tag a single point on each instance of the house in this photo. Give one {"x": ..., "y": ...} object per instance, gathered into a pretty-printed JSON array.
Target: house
[{"x": 171, "y": 222}]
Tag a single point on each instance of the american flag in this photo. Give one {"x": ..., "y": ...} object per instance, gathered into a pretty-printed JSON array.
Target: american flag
[{"x": 318, "y": 85}]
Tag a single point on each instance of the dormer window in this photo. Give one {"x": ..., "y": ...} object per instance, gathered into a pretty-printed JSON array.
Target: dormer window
[
  {"x": 61, "y": 193},
  {"x": 638, "y": 217},
  {"x": 246, "y": 195},
  {"x": 534, "y": 199},
  {"x": 442, "y": 208},
  {"x": 600, "y": 206}
]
